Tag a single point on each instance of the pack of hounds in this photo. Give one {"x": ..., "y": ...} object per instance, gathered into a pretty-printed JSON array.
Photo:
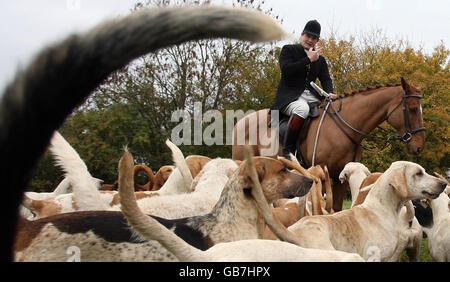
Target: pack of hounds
[{"x": 200, "y": 208}]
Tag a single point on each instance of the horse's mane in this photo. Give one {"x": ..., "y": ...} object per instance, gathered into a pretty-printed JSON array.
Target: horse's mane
[{"x": 367, "y": 90}]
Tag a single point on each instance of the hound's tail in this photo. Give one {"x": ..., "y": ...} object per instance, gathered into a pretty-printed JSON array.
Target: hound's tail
[
  {"x": 84, "y": 186},
  {"x": 328, "y": 190},
  {"x": 181, "y": 164},
  {"x": 410, "y": 213},
  {"x": 145, "y": 225},
  {"x": 61, "y": 77},
  {"x": 63, "y": 187}
]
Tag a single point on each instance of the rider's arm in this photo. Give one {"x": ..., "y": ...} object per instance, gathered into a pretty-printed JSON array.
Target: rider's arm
[
  {"x": 289, "y": 66},
  {"x": 324, "y": 77}
]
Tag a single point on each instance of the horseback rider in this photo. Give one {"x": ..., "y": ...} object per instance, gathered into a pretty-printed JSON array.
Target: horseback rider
[{"x": 300, "y": 64}]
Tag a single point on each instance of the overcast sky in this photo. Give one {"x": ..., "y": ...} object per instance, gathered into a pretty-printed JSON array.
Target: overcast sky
[{"x": 27, "y": 25}]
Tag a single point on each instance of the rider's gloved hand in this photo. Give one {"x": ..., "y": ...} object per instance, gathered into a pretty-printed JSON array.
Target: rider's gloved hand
[{"x": 333, "y": 96}]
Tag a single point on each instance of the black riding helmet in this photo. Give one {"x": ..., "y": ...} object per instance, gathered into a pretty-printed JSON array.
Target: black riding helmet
[{"x": 312, "y": 27}]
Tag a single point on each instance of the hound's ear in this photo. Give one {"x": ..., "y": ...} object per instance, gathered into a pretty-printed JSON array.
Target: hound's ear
[
  {"x": 230, "y": 172},
  {"x": 398, "y": 182},
  {"x": 245, "y": 172},
  {"x": 260, "y": 170},
  {"x": 343, "y": 176}
]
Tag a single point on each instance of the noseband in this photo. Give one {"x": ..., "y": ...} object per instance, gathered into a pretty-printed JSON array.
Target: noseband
[{"x": 406, "y": 138}]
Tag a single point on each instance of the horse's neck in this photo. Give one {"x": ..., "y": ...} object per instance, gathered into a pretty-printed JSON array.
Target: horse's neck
[{"x": 366, "y": 112}]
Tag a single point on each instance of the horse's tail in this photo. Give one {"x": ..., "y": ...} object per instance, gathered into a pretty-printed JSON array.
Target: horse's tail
[{"x": 145, "y": 225}]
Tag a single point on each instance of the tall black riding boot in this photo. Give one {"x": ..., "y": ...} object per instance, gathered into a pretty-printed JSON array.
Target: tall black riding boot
[{"x": 290, "y": 139}]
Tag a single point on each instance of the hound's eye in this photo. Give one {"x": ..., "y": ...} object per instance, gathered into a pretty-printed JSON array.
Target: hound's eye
[
  {"x": 284, "y": 170},
  {"x": 413, "y": 110},
  {"x": 420, "y": 173}
]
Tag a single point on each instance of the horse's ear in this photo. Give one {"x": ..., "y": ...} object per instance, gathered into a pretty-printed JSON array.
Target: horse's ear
[
  {"x": 405, "y": 85},
  {"x": 409, "y": 88}
]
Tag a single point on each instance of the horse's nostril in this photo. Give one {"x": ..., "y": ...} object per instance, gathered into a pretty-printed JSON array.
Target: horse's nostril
[{"x": 419, "y": 149}]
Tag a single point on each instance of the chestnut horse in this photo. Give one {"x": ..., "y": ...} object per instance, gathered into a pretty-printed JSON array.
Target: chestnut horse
[{"x": 358, "y": 114}]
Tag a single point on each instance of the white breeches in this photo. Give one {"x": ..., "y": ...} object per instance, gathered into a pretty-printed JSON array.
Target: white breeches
[{"x": 300, "y": 106}]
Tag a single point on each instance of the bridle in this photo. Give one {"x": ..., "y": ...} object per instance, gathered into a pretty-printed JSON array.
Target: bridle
[{"x": 405, "y": 138}]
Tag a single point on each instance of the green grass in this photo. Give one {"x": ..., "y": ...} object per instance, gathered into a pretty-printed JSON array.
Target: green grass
[
  {"x": 346, "y": 205},
  {"x": 424, "y": 253}
]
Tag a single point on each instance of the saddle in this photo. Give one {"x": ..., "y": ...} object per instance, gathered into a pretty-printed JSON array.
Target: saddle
[{"x": 282, "y": 128}]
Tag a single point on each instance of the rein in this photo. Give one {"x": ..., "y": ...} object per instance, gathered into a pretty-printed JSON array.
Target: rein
[{"x": 406, "y": 138}]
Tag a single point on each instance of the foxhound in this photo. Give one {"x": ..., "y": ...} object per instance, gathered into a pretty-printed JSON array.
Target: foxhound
[{"x": 372, "y": 228}]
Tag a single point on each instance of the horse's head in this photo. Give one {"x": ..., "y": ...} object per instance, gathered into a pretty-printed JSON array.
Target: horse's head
[{"x": 406, "y": 118}]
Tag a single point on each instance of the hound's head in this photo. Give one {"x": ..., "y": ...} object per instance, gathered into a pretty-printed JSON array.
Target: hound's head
[
  {"x": 350, "y": 168},
  {"x": 276, "y": 180},
  {"x": 410, "y": 181}
]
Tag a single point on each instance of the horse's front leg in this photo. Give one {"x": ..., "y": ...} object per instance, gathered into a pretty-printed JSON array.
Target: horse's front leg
[{"x": 339, "y": 190}]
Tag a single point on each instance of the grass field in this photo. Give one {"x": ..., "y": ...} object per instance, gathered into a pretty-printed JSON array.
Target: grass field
[{"x": 424, "y": 254}]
